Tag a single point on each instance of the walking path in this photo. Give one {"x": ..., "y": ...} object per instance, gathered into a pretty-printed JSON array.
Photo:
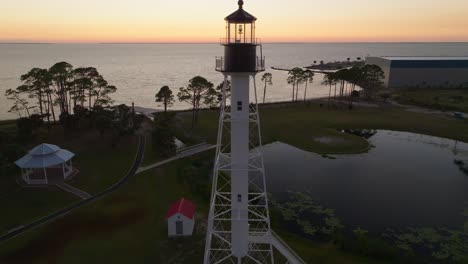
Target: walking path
[
  {"x": 182, "y": 154},
  {"x": 75, "y": 191},
  {"x": 280, "y": 245},
  {"x": 423, "y": 110}
]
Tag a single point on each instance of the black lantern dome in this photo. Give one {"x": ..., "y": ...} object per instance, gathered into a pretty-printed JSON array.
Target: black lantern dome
[
  {"x": 240, "y": 44},
  {"x": 240, "y": 16}
]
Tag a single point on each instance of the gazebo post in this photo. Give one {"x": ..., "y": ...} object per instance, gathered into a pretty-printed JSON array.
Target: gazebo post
[
  {"x": 28, "y": 173},
  {"x": 63, "y": 170},
  {"x": 45, "y": 173}
]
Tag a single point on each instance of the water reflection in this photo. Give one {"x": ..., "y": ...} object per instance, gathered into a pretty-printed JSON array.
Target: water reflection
[{"x": 406, "y": 180}]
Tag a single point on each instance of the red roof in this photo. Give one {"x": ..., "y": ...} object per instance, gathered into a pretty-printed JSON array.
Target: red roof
[{"x": 183, "y": 206}]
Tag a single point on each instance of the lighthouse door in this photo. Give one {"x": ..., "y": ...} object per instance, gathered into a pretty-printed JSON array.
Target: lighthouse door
[{"x": 179, "y": 228}]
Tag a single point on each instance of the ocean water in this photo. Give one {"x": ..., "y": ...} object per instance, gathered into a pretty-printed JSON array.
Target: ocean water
[{"x": 139, "y": 70}]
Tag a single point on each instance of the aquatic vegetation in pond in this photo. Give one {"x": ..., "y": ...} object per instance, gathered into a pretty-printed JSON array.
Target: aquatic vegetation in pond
[
  {"x": 462, "y": 164},
  {"x": 365, "y": 133},
  {"x": 311, "y": 218},
  {"x": 442, "y": 244}
]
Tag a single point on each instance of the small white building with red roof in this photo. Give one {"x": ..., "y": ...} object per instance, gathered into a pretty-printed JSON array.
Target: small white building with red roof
[{"x": 180, "y": 218}]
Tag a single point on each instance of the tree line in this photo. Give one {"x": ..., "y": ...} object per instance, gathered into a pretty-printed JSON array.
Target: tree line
[
  {"x": 368, "y": 77},
  {"x": 201, "y": 93},
  {"x": 60, "y": 87}
]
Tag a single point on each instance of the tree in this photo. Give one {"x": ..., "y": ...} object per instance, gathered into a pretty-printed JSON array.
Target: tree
[
  {"x": 329, "y": 79},
  {"x": 267, "y": 79},
  {"x": 35, "y": 84},
  {"x": 165, "y": 96},
  {"x": 60, "y": 74},
  {"x": 308, "y": 77},
  {"x": 198, "y": 92},
  {"x": 219, "y": 91},
  {"x": 103, "y": 122},
  {"x": 294, "y": 78},
  {"x": 19, "y": 104},
  {"x": 102, "y": 91},
  {"x": 371, "y": 79},
  {"x": 163, "y": 140},
  {"x": 25, "y": 128},
  {"x": 123, "y": 122},
  {"x": 84, "y": 78}
]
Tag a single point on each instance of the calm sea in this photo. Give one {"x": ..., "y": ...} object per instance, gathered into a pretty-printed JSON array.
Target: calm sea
[{"x": 139, "y": 70}]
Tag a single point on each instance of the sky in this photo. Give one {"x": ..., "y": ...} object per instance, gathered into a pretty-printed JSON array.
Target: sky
[{"x": 131, "y": 21}]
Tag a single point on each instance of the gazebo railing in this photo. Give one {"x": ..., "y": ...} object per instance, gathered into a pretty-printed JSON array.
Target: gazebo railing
[{"x": 41, "y": 182}]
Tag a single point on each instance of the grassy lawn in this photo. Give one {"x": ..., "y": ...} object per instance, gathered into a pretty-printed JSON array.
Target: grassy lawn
[
  {"x": 442, "y": 99},
  {"x": 127, "y": 226},
  {"x": 101, "y": 165},
  {"x": 151, "y": 156},
  {"x": 299, "y": 124},
  {"x": 25, "y": 205},
  {"x": 8, "y": 126}
]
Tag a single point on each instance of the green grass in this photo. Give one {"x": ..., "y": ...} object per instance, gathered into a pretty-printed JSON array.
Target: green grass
[
  {"x": 23, "y": 206},
  {"x": 127, "y": 226},
  {"x": 8, "y": 126},
  {"x": 298, "y": 125},
  {"x": 151, "y": 155},
  {"x": 441, "y": 99},
  {"x": 101, "y": 165}
]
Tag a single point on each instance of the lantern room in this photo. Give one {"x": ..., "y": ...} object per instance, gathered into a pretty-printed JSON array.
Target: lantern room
[
  {"x": 240, "y": 44},
  {"x": 240, "y": 27}
]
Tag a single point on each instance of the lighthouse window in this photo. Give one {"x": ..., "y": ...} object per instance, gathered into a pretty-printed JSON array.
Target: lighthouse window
[
  {"x": 239, "y": 198},
  {"x": 239, "y": 105}
]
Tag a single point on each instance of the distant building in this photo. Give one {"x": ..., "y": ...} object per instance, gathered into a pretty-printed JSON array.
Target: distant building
[
  {"x": 405, "y": 72},
  {"x": 180, "y": 218}
]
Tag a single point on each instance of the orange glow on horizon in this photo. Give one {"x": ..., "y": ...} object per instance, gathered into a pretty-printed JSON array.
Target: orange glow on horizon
[{"x": 145, "y": 21}]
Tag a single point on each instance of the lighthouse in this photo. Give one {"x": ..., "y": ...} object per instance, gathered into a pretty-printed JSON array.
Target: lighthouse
[{"x": 238, "y": 229}]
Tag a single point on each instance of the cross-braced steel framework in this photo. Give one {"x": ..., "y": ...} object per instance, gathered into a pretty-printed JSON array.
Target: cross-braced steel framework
[{"x": 218, "y": 240}]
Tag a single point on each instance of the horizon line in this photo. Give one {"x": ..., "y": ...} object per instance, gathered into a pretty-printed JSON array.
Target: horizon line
[{"x": 269, "y": 42}]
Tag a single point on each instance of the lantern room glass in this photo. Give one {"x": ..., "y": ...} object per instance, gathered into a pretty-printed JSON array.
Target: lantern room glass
[{"x": 240, "y": 33}]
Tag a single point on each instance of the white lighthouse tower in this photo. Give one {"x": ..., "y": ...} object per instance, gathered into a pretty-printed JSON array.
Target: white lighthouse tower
[{"x": 238, "y": 228}]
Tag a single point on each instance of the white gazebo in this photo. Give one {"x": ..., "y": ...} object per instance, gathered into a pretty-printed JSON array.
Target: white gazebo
[{"x": 43, "y": 158}]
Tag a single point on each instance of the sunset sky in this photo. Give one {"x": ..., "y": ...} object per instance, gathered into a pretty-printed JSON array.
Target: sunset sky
[{"x": 202, "y": 20}]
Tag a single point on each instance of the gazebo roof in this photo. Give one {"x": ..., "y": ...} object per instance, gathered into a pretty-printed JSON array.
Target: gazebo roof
[
  {"x": 44, "y": 149},
  {"x": 44, "y": 156}
]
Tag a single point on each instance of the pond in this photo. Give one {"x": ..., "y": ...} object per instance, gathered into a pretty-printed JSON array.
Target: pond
[{"x": 405, "y": 180}]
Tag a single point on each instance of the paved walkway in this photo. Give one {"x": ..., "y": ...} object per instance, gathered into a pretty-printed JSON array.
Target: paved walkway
[
  {"x": 75, "y": 191},
  {"x": 182, "y": 154},
  {"x": 423, "y": 110},
  {"x": 279, "y": 245}
]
